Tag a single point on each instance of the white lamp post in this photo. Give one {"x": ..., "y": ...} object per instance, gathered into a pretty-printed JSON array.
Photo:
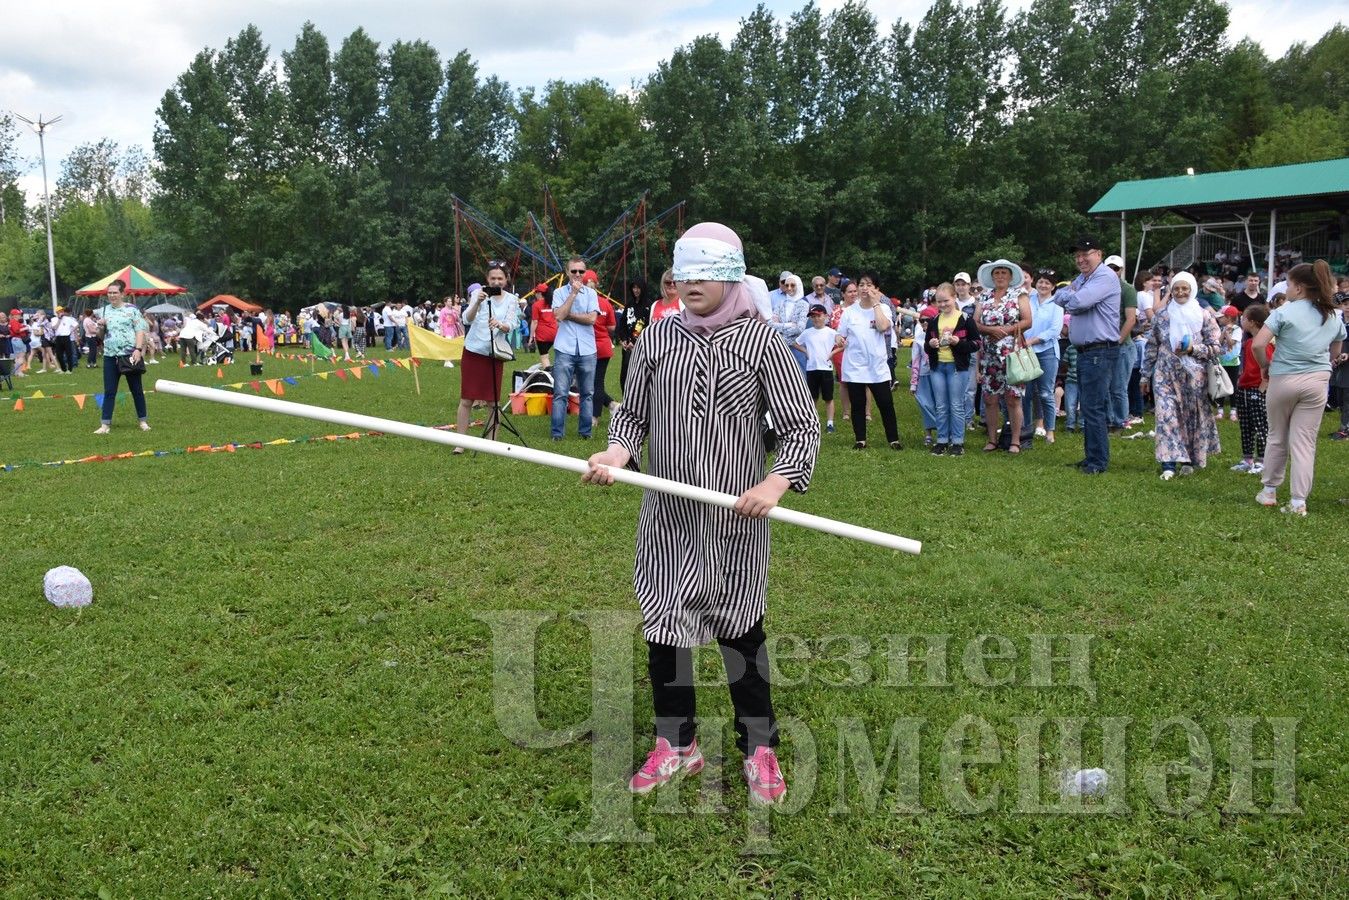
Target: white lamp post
[{"x": 41, "y": 128}]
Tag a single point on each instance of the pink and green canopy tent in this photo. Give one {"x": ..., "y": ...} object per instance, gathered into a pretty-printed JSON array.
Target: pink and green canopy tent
[{"x": 139, "y": 283}]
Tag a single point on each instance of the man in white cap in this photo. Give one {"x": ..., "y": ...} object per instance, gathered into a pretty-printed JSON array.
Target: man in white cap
[
  {"x": 1125, "y": 362},
  {"x": 964, "y": 299}
]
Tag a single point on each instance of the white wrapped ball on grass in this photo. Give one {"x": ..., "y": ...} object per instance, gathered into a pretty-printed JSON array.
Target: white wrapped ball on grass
[{"x": 66, "y": 586}]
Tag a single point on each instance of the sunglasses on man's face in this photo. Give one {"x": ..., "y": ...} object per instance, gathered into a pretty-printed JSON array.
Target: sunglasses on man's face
[{"x": 577, "y": 271}]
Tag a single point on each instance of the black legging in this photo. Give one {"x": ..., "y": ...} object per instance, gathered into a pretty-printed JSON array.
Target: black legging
[
  {"x": 746, "y": 661},
  {"x": 623, "y": 372},
  {"x": 602, "y": 398},
  {"x": 857, "y": 398}
]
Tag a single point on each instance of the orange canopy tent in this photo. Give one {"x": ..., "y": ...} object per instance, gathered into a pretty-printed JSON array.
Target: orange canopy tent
[
  {"x": 139, "y": 283},
  {"x": 230, "y": 300}
]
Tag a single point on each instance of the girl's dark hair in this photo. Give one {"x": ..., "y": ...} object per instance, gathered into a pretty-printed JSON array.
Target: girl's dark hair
[
  {"x": 640, "y": 283},
  {"x": 1257, "y": 313},
  {"x": 1315, "y": 280},
  {"x": 1141, "y": 280},
  {"x": 496, "y": 266},
  {"x": 869, "y": 276}
]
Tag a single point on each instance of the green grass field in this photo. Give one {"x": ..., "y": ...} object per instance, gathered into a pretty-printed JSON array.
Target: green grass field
[{"x": 283, "y": 686}]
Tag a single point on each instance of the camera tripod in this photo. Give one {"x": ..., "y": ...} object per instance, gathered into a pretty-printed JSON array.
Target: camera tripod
[{"x": 498, "y": 417}]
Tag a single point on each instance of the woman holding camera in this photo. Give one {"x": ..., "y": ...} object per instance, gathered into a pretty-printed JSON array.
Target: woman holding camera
[{"x": 492, "y": 315}]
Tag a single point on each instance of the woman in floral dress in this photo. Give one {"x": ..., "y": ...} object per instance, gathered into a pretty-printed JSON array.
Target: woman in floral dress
[
  {"x": 1003, "y": 314},
  {"x": 1184, "y": 337}
]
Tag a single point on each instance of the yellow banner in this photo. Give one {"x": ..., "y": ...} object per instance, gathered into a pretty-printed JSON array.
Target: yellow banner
[{"x": 426, "y": 345}]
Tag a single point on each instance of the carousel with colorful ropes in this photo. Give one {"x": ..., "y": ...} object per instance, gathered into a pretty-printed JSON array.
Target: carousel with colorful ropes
[{"x": 621, "y": 253}]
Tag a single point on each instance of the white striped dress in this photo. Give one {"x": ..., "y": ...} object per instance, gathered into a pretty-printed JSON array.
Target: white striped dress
[{"x": 701, "y": 571}]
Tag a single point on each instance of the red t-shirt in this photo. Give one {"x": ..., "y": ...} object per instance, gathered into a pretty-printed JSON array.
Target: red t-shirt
[
  {"x": 546, "y": 327},
  {"x": 660, "y": 309},
  {"x": 604, "y": 345},
  {"x": 1250, "y": 372}
]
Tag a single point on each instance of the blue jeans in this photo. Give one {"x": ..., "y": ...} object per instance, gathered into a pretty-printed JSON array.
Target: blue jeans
[
  {"x": 403, "y": 343},
  {"x": 389, "y": 333},
  {"x": 800, "y": 360},
  {"x": 1095, "y": 369},
  {"x": 1070, "y": 404},
  {"x": 1119, "y": 385},
  {"x": 110, "y": 379},
  {"x": 927, "y": 402},
  {"x": 583, "y": 367},
  {"x": 971, "y": 388},
  {"x": 949, "y": 385},
  {"x": 1042, "y": 387}
]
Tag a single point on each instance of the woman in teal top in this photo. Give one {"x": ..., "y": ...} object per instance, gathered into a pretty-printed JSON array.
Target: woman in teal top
[
  {"x": 124, "y": 331},
  {"x": 1308, "y": 334}
]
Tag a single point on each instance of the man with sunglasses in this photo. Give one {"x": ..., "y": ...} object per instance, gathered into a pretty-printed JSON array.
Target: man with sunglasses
[
  {"x": 820, "y": 295},
  {"x": 575, "y": 307}
]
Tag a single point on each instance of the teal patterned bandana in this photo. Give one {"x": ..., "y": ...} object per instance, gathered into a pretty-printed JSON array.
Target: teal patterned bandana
[{"x": 707, "y": 259}]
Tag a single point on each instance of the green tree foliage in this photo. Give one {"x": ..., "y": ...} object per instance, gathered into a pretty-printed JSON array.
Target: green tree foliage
[
  {"x": 1297, "y": 136},
  {"x": 913, "y": 148},
  {"x": 1315, "y": 75},
  {"x": 11, "y": 197}
]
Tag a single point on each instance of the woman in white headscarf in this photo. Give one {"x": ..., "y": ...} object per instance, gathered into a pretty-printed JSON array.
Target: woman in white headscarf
[
  {"x": 1184, "y": 337},
  {"x": 697, "y": 390}
]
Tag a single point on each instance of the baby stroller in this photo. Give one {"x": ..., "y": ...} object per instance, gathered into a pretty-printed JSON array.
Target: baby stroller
[
  {"x": 538, "y": 381},
  {"x": 213, "y": 351}
]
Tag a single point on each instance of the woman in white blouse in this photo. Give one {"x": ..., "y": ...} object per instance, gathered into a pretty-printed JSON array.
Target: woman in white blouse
[{"x": 864, "y": 332}]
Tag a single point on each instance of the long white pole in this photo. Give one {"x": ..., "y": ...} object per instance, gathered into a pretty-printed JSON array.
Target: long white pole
[{"x": 539, "y": 457}]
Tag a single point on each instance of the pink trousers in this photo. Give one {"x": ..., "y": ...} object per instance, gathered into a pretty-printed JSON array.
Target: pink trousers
[{"x": 1296, "y": 404}]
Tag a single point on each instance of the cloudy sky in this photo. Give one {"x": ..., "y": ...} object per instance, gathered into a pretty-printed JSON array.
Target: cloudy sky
[{"x": 103, "y": 67}]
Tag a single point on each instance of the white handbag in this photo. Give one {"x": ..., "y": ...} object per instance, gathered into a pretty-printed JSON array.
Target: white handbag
[{"x": 1219, "y": 384}]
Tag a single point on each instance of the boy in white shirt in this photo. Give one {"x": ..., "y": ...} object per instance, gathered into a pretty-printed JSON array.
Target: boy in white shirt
[{"x": 818, "y": 343}]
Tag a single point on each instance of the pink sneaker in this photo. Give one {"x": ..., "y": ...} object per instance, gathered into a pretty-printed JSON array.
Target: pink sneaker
[
  {"x": 663, "y": 764},
  {"x": 766, "y": 785}
]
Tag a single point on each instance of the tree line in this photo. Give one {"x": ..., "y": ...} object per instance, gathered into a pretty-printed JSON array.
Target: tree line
[{"x": 911, "y": 149}]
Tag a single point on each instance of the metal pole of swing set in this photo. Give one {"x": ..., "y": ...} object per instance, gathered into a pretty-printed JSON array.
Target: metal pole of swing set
[
  {"x": 1273, "y": 220},
  {"x": 41, "y": 128},
  {"x": 1123, "y": 247},
  {"x": 526, "y": 454}
]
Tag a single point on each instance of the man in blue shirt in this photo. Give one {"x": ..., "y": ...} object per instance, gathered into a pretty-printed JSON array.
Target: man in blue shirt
[
  {"x": 1093, "y": 300},
  {"x": 575, "y": 307}
]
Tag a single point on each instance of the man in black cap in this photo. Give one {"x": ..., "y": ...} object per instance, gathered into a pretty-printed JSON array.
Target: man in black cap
[
  {"x": 833, "y": 288},
  {"x": 1093, "y": 300}
]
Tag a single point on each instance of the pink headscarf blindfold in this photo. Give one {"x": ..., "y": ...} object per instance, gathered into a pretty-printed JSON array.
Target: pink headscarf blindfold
[{"x": 712, "y": 249}]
